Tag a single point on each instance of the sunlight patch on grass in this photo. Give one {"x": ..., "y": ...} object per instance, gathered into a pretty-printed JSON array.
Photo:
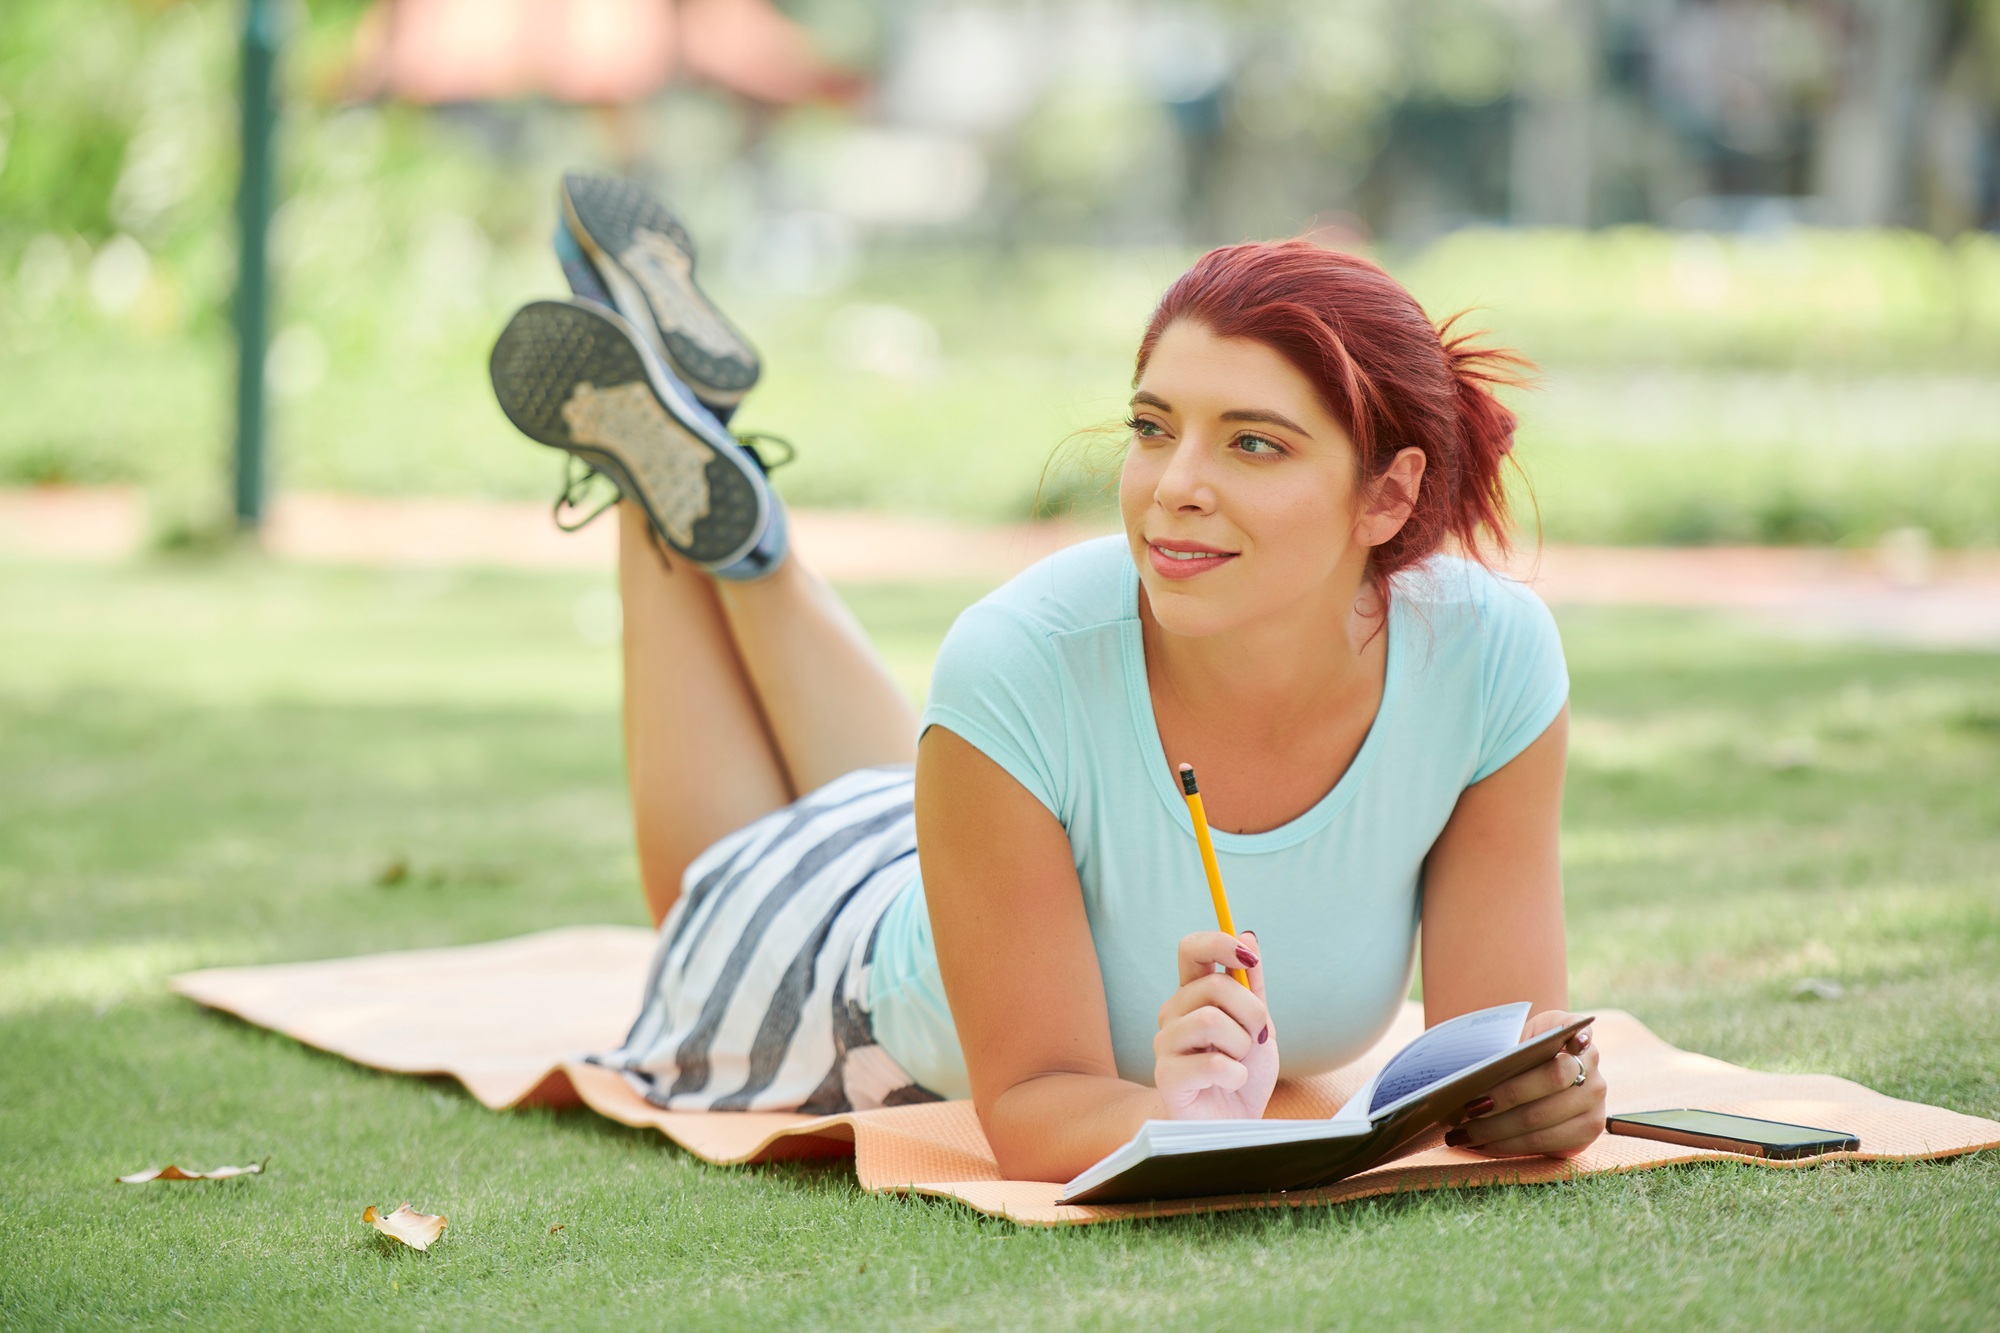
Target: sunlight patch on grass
[
  {"x": 105, "y": 974},
  {"x": 224, "y": 631},
  {"x": 1604, "y": 848},
  {"x": 1772, "y": 937},
  {"x": 1855, "y": 730},
  {"x": 1617, "y": 744}
]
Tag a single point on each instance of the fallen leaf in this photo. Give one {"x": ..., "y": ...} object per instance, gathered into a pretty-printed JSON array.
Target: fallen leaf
[
  {"x": 176, "y": 1173},
  {"x": 416, "y": 1230},
  {"x": 557, "y": 1227}
]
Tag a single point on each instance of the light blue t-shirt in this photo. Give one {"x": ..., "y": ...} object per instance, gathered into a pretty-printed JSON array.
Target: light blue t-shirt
[{"x": 1047, "y": 677}]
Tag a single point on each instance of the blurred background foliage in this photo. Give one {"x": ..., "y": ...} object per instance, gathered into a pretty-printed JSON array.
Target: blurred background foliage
[{"x": 1746, "y": 240}]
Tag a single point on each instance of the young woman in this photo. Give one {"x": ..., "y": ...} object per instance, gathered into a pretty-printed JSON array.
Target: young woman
[{"x": 1379, "y": 729}]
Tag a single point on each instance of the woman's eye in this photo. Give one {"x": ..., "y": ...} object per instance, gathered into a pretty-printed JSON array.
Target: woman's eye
[
  {"x": 1257, "y": 444},
  {"x": 1144, "y": 429}
]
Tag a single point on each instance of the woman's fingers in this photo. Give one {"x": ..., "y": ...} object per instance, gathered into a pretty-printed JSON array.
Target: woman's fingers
[
  {"x": 1218, "y": 990},
  {"x": 1543, "y": 1111},
  {"x": 1195, "y": 1072},
  {"x": 1255, "y": 973},
  {"x": 1545, "y": 1080},
  {"x": 1533, "y": 1117},
  {"x": 1204, "y": 951},
  {"x": 1215, "y": 1053},
  {"x": 1564, "y": 1140},
  {"x": 1548, "y": 1020},
  {"x": 1200, "y": 954},
  {"x": 1206, "y": 1029}
]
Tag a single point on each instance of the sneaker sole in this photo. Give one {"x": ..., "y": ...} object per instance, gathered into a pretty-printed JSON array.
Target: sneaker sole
[
  {"x": 575, "y": 376},
  {"x": 647, "y": 259}
]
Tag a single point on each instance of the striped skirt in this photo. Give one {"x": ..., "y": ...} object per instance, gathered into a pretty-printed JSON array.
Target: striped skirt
[{"x": 757, "y": 995}]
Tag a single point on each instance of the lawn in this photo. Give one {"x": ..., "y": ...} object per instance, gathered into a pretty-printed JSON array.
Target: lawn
[{"x": 218, "y": 761}]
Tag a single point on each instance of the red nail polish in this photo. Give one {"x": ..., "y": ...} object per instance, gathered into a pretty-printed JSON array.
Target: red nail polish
[
  {"x": 1478, "y": 1106},
  {"x": 1458, "y": 1138},
  {"x": 1263, "y": 1034},
  {"x": 1245, "y": 957}
]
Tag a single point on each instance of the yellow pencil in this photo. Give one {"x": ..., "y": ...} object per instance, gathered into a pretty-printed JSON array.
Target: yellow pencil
[{"x": 1223, "y": 920}]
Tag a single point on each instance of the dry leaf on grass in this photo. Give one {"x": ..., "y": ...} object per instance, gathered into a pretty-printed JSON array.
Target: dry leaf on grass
[
  {"x": 416, "y": 1230},
  {"x": 176, "y": 1173}
]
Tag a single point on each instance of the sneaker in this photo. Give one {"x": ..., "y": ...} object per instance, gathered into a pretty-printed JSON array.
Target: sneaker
[
  {"x": 643, "y": 257},
  {"x": 582, "y": 278},
  {"x": 578, "y": 377}
]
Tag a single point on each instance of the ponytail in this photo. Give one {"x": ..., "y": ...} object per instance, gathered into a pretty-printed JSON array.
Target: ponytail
[{"x": 1475, "y": 512}]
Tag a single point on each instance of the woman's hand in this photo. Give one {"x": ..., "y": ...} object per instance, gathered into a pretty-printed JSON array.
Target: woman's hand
[
  {"x": 1546, "y": 1110},
  {"x": 1216, "y": 1055}
]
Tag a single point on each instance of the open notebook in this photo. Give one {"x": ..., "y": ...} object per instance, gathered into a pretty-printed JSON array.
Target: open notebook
[{"x": 1423, "y": 1089}]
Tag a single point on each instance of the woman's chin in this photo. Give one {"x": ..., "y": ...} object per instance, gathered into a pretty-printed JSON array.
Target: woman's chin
[{"x": 1192, "y": 608}]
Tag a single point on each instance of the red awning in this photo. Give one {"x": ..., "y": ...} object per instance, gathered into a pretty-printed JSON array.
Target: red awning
[{"x": 589, "y": 51}]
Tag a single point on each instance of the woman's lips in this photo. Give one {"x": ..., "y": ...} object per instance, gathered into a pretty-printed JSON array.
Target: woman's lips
[{"x": 1185, "y": 564}]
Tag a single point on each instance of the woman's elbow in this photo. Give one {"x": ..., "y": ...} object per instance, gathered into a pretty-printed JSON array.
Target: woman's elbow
[{"x": 1021, "y": 1146}]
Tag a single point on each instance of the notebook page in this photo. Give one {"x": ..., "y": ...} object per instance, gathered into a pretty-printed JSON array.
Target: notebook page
[
  {"x": 1355, "y": 1109},
  {"x": 1447, "y": 1048}
]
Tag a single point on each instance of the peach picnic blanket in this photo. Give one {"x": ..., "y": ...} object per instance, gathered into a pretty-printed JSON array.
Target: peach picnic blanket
[{"x": 511, "y": 1020}]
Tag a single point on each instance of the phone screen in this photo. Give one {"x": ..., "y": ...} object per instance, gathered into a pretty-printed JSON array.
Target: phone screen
[
  {"x": 1716, "y": 1129},
  {"x": 1715, "y": 1123}
]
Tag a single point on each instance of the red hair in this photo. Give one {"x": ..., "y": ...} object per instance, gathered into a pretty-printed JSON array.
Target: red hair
[{"x": 1392, "y": 378}]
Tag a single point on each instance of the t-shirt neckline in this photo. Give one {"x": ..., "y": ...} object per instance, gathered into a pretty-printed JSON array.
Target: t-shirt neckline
[{"x": 1140, "y": 700}]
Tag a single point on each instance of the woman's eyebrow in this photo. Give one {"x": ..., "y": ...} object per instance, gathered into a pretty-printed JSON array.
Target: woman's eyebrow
[
  {"x": 1236, "y": 414},
  {"x": 1267, "y": 416}
]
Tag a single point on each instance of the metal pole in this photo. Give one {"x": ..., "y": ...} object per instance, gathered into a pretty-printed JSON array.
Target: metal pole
[{"x": 254, "y": 201}]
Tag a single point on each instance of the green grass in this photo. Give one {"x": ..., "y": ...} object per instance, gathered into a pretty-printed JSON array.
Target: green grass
[{"x": 207, "y": 762}]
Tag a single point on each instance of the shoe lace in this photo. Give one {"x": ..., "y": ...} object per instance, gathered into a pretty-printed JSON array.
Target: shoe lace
[
  {"x": 577, "y": 478},
  {"x": 755, "y": 442}
]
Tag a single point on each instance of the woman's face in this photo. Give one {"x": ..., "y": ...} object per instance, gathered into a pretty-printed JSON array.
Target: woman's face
[{"x": 1239, "y": 491}]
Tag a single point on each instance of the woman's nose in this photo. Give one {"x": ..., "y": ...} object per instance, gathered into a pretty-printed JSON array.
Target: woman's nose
[{"x": 1185, "y": 484}]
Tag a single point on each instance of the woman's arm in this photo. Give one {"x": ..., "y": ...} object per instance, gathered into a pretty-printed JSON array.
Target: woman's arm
[
  {"x": 1493, "y": 933},
  {"x": 1026, "y": 996},
  {"x": 1493, "y": 910}
]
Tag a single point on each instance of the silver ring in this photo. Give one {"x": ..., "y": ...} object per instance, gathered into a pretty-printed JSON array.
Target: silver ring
[{"x": 1582, "y": 1072}]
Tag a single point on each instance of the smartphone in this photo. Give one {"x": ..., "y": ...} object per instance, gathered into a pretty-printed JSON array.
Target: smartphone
[{"x": 1733, "y": 1133}]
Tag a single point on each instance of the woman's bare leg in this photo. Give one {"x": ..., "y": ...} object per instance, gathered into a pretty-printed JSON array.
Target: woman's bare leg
[
  {"x": 829, "y": 701},
  {"x": 739, "y": 697},
  {"x": 698, "y": 754}
]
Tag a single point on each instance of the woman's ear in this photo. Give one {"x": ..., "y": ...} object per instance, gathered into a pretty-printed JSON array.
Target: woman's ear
[{"x": 1391, "y": 498}]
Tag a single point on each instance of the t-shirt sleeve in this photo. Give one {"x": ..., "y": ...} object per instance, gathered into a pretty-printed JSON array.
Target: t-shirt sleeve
[
  {"x": 1525, "y": 681},
  {"x": 998, "y": 685}
]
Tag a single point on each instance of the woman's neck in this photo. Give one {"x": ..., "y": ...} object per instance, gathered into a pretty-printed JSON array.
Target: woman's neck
[
  {"x": 1274, "y": 674},
  {"x": 1272, "y": 713}
]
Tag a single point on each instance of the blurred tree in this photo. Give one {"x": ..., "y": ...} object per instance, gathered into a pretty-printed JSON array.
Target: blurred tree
[{"x": 66, "y": 77}]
